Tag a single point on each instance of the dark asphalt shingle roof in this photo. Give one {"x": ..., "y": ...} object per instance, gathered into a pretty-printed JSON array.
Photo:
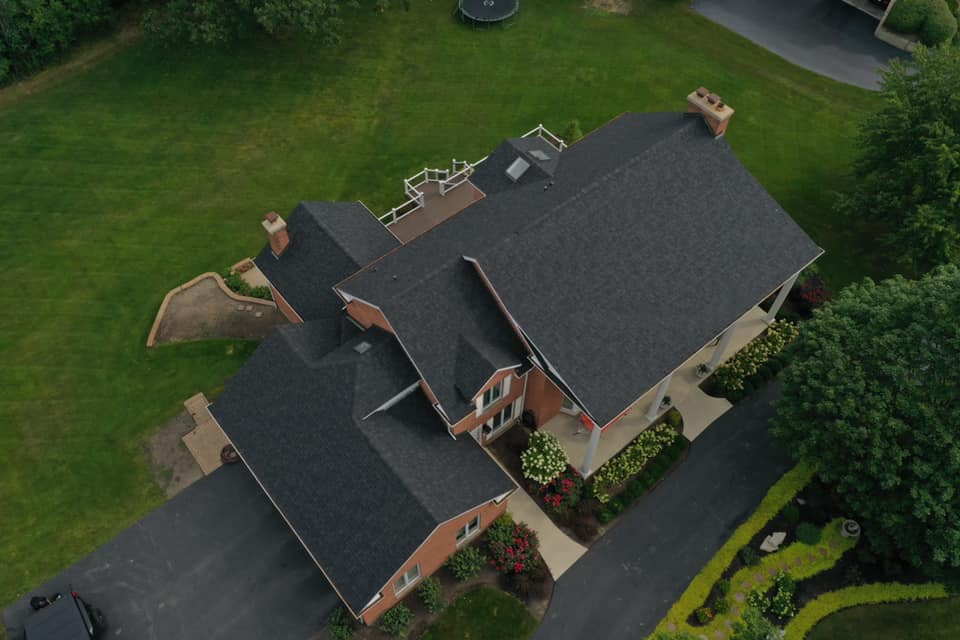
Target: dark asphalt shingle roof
[
  {"x": 652, "y": 239},
  {"x": 362, "y": 495},
  {"x": 491, "y": 177},
  {"x": 328, "y": 242}
]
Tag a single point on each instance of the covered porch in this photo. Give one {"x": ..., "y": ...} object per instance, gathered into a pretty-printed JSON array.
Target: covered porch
[{"x": 588, "y": 449}]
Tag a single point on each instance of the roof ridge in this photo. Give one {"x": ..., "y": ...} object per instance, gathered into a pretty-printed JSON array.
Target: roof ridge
[{"x": 330, "y": 234}]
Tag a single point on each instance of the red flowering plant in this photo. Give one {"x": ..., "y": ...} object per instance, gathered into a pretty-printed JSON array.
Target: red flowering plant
[
  {"x": 563, "y": 492},
  {"x": 512, "y": 547},
  {"x": 814, "y": 293}
]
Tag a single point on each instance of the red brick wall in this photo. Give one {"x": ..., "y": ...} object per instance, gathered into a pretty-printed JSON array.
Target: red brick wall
[
  {"x": 431, "y": 556},
  {"x": 543, "y": 398},
  {"x": 285, "y": 307},
  {"x": 368, "y": 316},
  {"x": 471, "y": 422}
]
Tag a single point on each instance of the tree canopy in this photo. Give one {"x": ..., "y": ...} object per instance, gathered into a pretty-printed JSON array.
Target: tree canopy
[
  {"x": 214, "y": 21},
  {"x": 907, "y": 174},
  {"x": 873, "y": 400}
]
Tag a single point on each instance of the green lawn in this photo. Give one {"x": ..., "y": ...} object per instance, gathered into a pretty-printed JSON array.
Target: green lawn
[
  {"x": 483, "y": 614},
  {"x": 926, "y": 620},
  {"x": 125, "y": 179}
]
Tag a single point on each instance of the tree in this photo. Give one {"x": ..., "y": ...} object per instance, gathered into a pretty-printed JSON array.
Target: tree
[
  {"x": 754, "y": 626},
  {"x": 214, "y": 21},
  {"x": 873, "y": 400},
  {"x": 907, "y": 174},
  {"x": 571, "y": 132}
]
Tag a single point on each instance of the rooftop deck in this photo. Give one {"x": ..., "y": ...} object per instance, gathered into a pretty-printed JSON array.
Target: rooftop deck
[{"x": 436, "y": 208}]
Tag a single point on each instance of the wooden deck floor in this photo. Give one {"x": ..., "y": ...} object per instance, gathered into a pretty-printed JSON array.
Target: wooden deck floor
[{"x": 435, "y": 210}]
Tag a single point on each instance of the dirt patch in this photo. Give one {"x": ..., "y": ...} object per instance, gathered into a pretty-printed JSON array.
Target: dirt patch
[
  {"x": 205, "y": 311},
  {"x": 620, "y": 7},
  {"x": 173, "y": 467}
]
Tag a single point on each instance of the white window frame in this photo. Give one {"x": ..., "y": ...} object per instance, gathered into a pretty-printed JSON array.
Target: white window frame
[
  {"x": 513, "y": 407},
  {"x": 469, "y": 530},
  {"x": 407, "y": 582},
  {"x": 504, "y": 390}
]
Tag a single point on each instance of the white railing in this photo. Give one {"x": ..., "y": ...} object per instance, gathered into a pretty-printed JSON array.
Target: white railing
[
  {"x": 404, "y": 209},
  {"x": 542, "y": 132}
]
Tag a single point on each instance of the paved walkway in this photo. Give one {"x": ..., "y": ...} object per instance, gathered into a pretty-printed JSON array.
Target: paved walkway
[
  {"x": 827, "y": 37},
  {"x": 625, "y": 584},
  {"x": 559, "y": 551}
]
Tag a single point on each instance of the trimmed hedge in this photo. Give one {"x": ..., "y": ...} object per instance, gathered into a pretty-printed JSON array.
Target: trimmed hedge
[
  {"x": 932, "y": 20},
  {"x": 699, "y": 589},
  {"x": 642, "y": 482},
  {"x": 877, "y": 593},
  {"x": 636, "y": 457}
]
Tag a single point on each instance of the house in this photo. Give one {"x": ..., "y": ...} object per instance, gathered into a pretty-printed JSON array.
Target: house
[{"x": 575, "y": 278}]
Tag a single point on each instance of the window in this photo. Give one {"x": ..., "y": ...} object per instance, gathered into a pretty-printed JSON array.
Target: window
[
  {"x": 468, "y": 529},
  {"x": 499, "y": 419},
  {"x": 492, "y": 394},
  {"x": 406, "y": 579}
]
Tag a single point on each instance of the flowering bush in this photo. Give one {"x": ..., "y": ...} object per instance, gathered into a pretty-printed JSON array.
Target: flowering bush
[
  {"x": 814, "y": 293},
  {"x": 757, "y": 600},
  {"x": 513, "y": 548},
  {"x": 631, "y": 460},
  {"x": 782, "y": 605},
  {"x": 544, "y": 458},
  {"x": 732, "y": 374},
  {"x": 563, "y": 492}
]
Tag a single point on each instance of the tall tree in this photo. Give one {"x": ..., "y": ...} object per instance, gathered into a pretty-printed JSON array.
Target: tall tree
[
  {"x": 873, "y": 400},
  {"x": 907, "y": 175},
  {"x": 214, "y": 21}
]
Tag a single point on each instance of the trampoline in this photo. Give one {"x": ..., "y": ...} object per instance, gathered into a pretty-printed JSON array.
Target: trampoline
[{"x": 487, "y": 11}]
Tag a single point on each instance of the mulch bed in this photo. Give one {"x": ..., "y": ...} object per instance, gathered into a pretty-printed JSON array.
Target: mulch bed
[{"x": 536, "y": 601}]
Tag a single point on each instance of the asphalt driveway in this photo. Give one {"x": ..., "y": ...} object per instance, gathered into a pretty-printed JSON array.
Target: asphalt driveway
[
  {"x": 629, "y": 579},
  {"x": 828, "y": 37},
  {"x": 216, "y": 561}
]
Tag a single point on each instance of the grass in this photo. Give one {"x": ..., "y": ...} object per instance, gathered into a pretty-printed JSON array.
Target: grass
[
  {"x": 922, "y": 620},
  {"x": 483, "y": 614},
  {"x": 124, "y": 178}
]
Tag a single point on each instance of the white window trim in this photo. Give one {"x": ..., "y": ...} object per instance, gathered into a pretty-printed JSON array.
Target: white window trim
[
  {"x": 515, "y": 410},
  {"x": 469, "y": 534},
  {"x": 408, "y": 584},
  {"x": 504, "y": 385}
]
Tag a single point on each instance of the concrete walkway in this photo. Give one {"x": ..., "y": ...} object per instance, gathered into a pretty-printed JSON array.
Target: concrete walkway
[
  {"x": 556, "y": 547},
  {"x": 625, "y": 584},
  {"x": 828, "y": 37}
]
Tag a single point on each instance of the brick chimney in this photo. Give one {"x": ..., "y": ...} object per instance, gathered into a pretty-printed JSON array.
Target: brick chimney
[
  {"x": 715, "y": 112},
  {"x": 276, "y": 230}
]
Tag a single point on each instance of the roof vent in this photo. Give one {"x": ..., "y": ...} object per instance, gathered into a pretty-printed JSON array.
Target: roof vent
[
  {"x": 517, "y": 169},
  {"x": 539, "y": 155},
  {"x": 362, "y": 347}
]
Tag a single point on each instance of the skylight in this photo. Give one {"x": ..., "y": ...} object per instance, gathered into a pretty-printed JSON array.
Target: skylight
[
  {"x": 362, "y": 347},
  {"x": 517, "y": 169},
  {"x": 539, "y": 155}
]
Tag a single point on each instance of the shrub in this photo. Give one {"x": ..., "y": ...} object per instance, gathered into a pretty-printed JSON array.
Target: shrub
[
  {"x": 261, "y": 292},
  {"x": 757, "y": 600},
  {"x": 748, "y": 387},
  {"x": 940, "y": 25},
  {"x": 465, "y": 563},
  {"x": 735, "y": 396},
  {"x": 749, "y": 556},
  {"x": 721, "y": 605},
  {"x": 631, "y": 460},
  {"x": 605, "y": 515},
  {"x": 571, "y": 133},
  {"x": 518, "y": 553},
  {"x": 584, "y": 530},
  {"x": 544, "y": 458},
  {"x": 431, "y": 595},
  {"x": 733, "y": 374},
  {"x": 340, "y": 624},
  {"x": 723, "y": 586},
  {"x": 785, "y": 582},
  {"x": 808, "y": 533},
  {"x": 814, "y": 293},
  {"x": 703, "y": 615},
  {"x": 907, "y": 16},
  {"x": 791, "y": 513},
  {"x": 782, "y": 605},
  {"x": 674, "y": 419},
  {"x": 500, "y": 530},
  {"x": 396, "y": 620},
  {"x": 563, "y": 492}
]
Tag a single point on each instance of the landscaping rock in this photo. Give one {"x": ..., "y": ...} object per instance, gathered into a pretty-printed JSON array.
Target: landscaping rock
[
  {"x": 739, "y": 597},
  {"x": 773, "y": 541}
]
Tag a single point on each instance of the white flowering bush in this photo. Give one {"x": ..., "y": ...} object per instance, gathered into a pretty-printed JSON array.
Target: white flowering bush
[
  {"x": 544, "y": 458},
  {"x": 631, "y": 460},
  {"x": 731, "y": 375}
]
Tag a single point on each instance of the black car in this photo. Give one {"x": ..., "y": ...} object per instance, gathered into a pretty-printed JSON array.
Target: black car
[{"x": 65, "y": 618}]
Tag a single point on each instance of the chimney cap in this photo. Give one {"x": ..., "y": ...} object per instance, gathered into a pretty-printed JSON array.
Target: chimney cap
[
  {"x": 702, "y": 92},
  {"x": 271, "y": 217},
  {"x": 713, "y": 98}
]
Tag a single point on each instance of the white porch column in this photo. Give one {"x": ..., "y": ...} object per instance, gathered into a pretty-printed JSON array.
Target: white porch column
[
  {"x": 721, "y": 347},
  {"x": 587, "y": 467},
  {"x": 784, "y": 290},
  {"x": 658, "y": 398}
]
